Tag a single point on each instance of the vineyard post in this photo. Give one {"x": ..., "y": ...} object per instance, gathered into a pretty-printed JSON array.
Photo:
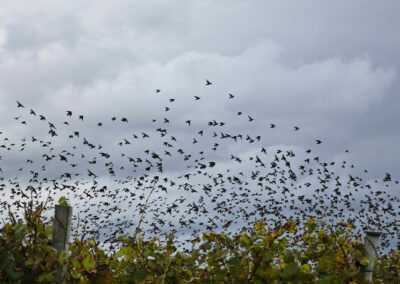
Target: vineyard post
[
  {"x": 61, "y": 232},
  {"x": 370, "y": 251}
]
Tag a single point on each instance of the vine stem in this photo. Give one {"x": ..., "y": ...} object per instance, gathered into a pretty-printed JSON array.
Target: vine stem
[
  {"x": 166, "y": 270},
  {"x": 145, "y": 206},
  {"x": 340, "y": 245}
]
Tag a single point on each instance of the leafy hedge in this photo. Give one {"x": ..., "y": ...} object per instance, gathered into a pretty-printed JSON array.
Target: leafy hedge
[{"x": 290, "y": 253}]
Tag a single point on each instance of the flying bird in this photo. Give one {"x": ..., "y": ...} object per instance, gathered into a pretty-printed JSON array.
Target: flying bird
[{"x": 208, "y": 83}]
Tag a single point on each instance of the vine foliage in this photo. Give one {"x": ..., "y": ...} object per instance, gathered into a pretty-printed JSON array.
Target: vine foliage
[{"x": 291, "y": 252}]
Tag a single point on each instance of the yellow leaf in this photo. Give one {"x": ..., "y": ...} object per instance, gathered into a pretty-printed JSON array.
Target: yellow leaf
[
  {"x": 306, "y": 268},
  {"x": 251, "y": 266},
  {"x": 364, "y": 260}
]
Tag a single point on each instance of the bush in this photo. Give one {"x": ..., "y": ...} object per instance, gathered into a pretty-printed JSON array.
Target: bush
[{"x": 289, "y": 253}]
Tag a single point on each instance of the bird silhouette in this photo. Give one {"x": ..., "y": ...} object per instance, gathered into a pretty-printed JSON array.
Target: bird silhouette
[
  {"x": 19, "y": 105},
  {"x": 213, "y": 175}
]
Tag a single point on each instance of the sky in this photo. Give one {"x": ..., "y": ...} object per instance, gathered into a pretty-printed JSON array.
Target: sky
[{"x": 328, "y": 67}]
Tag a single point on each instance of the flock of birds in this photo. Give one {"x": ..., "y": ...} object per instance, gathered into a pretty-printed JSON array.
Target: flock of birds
[{"x": 185, "y": 178}]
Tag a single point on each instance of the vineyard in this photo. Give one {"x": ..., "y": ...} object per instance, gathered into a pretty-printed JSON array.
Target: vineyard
[
  {"x": 315, "y": 253},
  {"x": 217, "y": 142}
]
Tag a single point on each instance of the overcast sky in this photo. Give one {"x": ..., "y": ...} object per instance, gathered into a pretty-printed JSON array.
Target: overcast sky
[{"x": 329, "y": 67}]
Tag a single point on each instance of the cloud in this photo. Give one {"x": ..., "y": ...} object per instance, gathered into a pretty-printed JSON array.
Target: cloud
[{"x": 330, "y": 68}]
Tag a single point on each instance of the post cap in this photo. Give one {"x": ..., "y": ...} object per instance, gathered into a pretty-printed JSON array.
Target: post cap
[{"x": 373, "y": 233}]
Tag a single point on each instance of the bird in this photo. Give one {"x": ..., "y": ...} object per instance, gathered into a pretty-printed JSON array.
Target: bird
[
  {"x": 318, "y": 141},
  {"x": 231, "y": 96},
  {"x": 19, "y": 105},
  {"x": 208, "y": 82},
  {"x": 158, "y": 90},
  {"x": 272, "y": 125},
  {"x": 196, "y": 98},
  {"x": 224, "y": 195}
]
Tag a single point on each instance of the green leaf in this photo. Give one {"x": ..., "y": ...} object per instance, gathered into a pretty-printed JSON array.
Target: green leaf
[
  {"x": 139, "y": 275},
  {"x": 62, "y": 201},
  {"x": 15, "y": 275},
  {"x": 148, "y": 252},
  {"x": 48, "y": 277},
  {"x": 61, "y": 257},
  {"x": 306, "y": 268},
  {"x": 88, "y": 263},
  {"x": 220, "y": 254},
  {"x": 205, "y": 246},
  {"x": 122, "y": 252},
  {"x": 290, "y": 270},
  {"x": 163, "y": 259},
  {"x": 91, "y": 242},
  {"x": 19, "y": 230}
]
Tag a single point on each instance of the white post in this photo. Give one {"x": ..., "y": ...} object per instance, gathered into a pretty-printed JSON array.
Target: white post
[
  {"x": 61, "y": 232},
  {"x": 370, "y": 251}
]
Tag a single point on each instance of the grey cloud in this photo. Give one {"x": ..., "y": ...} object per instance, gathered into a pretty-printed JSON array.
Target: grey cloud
[{"x": 330, "y": 68}]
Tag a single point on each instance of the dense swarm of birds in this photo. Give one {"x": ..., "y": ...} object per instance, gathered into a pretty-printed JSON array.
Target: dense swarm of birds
[{"x": 183, "y": 176}]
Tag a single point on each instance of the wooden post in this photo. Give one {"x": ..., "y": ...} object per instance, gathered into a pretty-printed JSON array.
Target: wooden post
[
  {"x": 61, "y": 232},
  {"x": 370, "y": 251}
]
